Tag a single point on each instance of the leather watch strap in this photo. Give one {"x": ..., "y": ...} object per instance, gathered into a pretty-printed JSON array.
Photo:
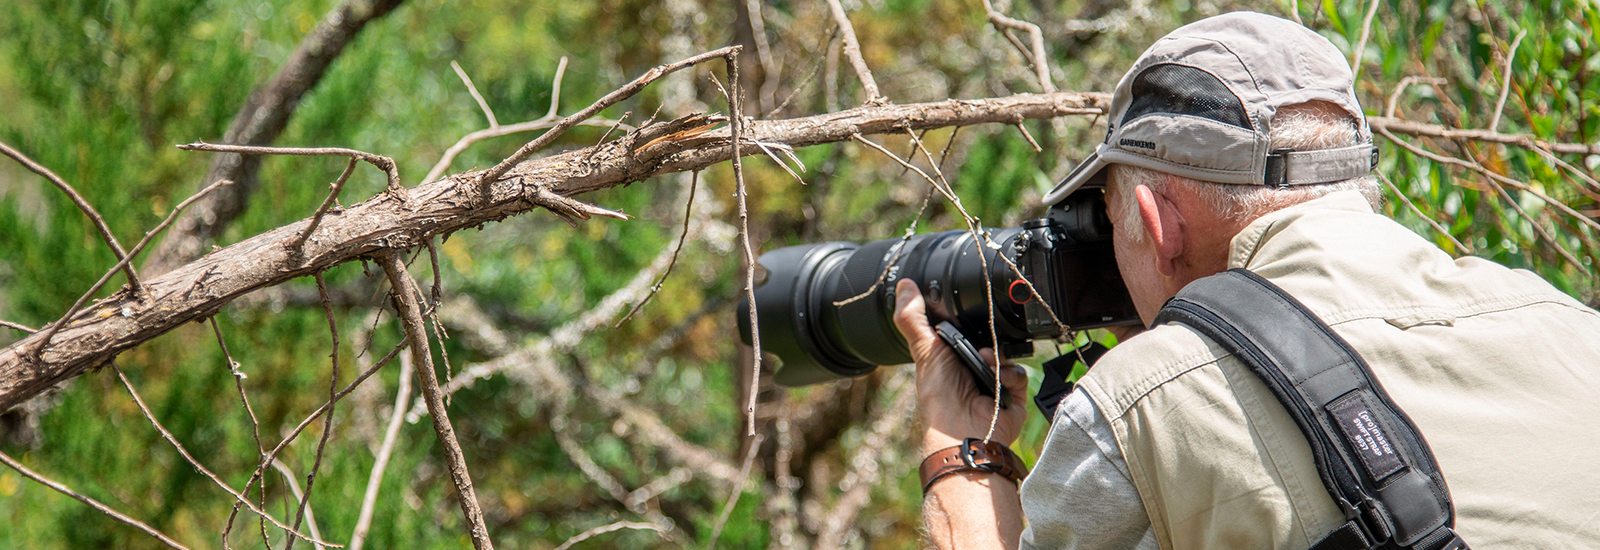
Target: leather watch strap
[{"x": 972, "y": 455}]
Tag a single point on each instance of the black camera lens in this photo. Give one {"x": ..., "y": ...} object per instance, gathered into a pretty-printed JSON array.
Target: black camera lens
[{"x": 827, "y": 310}]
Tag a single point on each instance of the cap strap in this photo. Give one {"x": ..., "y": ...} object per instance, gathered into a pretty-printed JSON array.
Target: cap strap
[{"x": 1287, "y": 167}]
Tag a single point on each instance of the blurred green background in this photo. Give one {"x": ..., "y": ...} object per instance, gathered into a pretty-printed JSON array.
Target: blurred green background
[{"x": 100, "y": 91}]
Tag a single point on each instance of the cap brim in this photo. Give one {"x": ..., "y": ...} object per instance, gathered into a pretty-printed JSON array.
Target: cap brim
[{"x": 1089, "y": 173}]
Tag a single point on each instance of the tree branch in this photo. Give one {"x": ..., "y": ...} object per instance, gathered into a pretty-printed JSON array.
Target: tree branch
[
  {"x": 199, "y": 289},
  {"x": 410, "y": 314},
  {"x": 83, "y": 205}
]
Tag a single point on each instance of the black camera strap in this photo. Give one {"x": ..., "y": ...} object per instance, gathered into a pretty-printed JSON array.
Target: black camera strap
[{"x": 1371, "y": 457}]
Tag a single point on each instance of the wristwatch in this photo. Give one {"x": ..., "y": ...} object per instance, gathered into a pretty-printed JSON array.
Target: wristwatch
[{"x": 972, "y": 454}]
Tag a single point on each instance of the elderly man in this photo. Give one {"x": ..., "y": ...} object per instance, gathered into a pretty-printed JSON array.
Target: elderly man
[{"x": 1237, "y": 142}]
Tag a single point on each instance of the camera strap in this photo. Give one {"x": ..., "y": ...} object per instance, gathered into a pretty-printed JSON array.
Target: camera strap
[{"x": 1371, "y": 457}]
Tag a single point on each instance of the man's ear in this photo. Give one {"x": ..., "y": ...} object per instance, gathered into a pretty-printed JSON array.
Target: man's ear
[{"x": 1165, "y": 227}]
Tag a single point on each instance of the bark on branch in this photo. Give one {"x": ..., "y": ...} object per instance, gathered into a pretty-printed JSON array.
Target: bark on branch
[{"x": 198, "y": 289}]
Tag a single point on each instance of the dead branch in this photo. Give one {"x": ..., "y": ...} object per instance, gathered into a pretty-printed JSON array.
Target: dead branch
[
  {"x": 167, "y": 435},
  {"x": 195, "y": 291},
  {"x": 1526, "y": 141},
  {"x": 618, "y": 526},
  {"x": 410, "y": 315},
  {"x": 736, "y": 126},
  {"x": 402, "y": 396},
  {"x": 484, "y": 105},
  {"x": 381, "y": 162},
  {"x": 852, "y": 51},
  {"x": 83, "y": 205},
  {"x": 1505, "y": 83},
  {"x": 97, "y": 505},
  {"x": 259, "y": 121},
  {"x": 255, "y": 432},
  {"x": 18, "y": 327},
  {"x": 1361, "y": 45}
]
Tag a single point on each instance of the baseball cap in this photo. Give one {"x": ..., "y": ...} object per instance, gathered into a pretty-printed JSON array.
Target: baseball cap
[{"x": 1199, "y": 104}]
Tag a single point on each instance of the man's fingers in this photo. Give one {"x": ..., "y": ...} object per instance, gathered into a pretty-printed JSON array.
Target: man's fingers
[{"x": 910, "y": 313}]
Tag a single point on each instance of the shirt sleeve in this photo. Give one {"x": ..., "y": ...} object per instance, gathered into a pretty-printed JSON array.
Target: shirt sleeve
[{"x": 1079, "y": 495}]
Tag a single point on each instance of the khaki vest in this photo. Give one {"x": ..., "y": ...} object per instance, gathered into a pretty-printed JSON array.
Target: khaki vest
[{"x": 1500, "y": 372}]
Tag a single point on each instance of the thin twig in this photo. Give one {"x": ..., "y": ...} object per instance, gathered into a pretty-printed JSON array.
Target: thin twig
[
  {"x": 618, "y": 526},
  {"x": 1526, "y": 141},
  {"x": 1029, "y": 137},
  {"x": 262, "y": 467},
  {"x": 240, "y": 498},
  {"x": 491, "y": 175},
  {"x": 480, "y": 135},
  {"x": 555, "y": 88},
  {"x": 1418, "y": 211},
  {"x": 852, "y": 51},
  {"x": 410, "y": 314},
  {"x": 327, "y": 420},
  {"x": 1505, "y": 83},
  {"x": 402, "y": 397},
  {"x": 688, "y": 216},
  {"x": 1038, "y": 58},
  {"x": 738, "y": 489},
  {"x": 333, "y": 197},
  {"x": 83, "y": 205},
  {"x": 899, "y": 250},
  {"x": 381, "y": 162},
  {"x": 1361, "y": 45},
  {"x": 97, "y": 505},
  {"x": 484, "y": 105},
  {"x": 1394, "y": 97},
  {"x": 127, "y": 260},
  {"x": 18, "y": 326},
  {"x": 735, "y": 101},
  {"x": 255, "y": 432},
  {"x": 303, "y": 497},
  {"x": 1479, "y": 168}
]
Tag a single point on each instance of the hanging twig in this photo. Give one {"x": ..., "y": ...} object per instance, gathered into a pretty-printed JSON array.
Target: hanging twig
[
  {"x": 688, "y": 216},
  {"x": 97, "y": 505},
  {"x": 410, "y": 315},
  {"x": 852, "y": 51},
  {"x": 327, "y": 420},
  {"x": 735, "y": 101},
  {"x": 83, "y": 205},
  {"x": 255, "y": 432},
  {"x": 238, "y": 498}
]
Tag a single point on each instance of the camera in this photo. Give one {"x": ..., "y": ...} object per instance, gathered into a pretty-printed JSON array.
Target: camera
[{"x": 827, "y": 310}]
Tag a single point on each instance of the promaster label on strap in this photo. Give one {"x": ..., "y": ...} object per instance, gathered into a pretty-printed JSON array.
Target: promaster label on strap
[{"x": 1365, "y": 437}]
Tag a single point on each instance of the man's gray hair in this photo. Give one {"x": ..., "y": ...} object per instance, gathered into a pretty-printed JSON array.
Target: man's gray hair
[{"x": 1304, "y": 127}]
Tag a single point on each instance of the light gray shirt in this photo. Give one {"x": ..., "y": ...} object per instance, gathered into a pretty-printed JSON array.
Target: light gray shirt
[{"x": 1079, "y": 495}]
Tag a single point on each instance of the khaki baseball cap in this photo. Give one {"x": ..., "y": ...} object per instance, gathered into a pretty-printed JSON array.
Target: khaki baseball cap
[{"x": 1199, "y": 104}]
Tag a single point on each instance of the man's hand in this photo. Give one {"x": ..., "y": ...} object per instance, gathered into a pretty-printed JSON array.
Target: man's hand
[
  {"x": 974, "y": 510},
  {"x": 947, "y": 396}
]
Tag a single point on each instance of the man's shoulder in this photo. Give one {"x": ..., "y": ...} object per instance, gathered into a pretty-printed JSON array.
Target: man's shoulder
[{"x": 1154, "y": 357}]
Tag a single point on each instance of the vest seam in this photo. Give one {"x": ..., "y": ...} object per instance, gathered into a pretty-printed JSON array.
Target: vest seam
[{"x": 1462, "y": 311}]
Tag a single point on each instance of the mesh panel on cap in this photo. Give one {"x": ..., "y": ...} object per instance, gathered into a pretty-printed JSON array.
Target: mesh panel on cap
[{"x": 1184, "y": 90}]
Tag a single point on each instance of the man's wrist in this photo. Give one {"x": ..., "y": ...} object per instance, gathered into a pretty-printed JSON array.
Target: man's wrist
[{"x": 934, "y": 440}]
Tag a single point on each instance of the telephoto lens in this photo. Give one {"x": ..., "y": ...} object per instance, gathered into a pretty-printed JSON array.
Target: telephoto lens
[{"x": 827, "y": 310}]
